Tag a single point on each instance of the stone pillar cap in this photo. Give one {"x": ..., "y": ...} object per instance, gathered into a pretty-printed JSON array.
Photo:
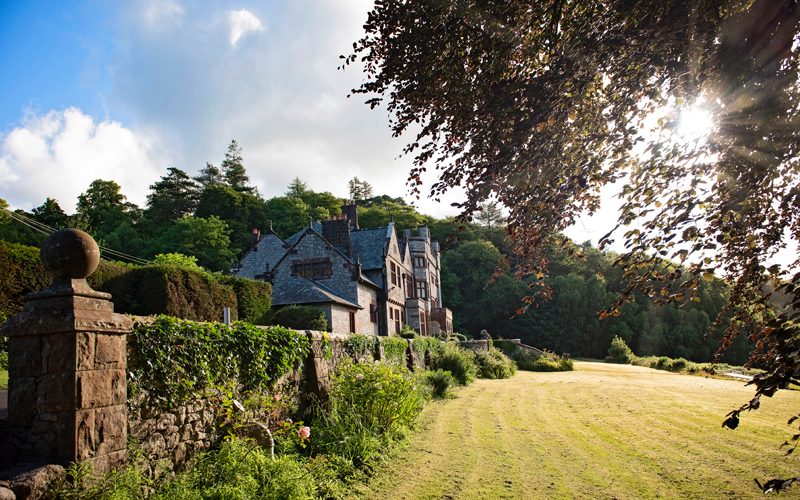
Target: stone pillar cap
[{"x": 70, "y": 254}]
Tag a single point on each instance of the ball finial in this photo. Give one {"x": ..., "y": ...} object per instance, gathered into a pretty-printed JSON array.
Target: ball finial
[{"x": 70, "y": 254}]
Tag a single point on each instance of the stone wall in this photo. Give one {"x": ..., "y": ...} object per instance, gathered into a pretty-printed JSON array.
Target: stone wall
[{"x": 170, "y": 437}]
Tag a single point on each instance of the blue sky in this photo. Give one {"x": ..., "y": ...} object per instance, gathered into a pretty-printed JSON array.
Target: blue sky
[{"x": 124, "y": 90}]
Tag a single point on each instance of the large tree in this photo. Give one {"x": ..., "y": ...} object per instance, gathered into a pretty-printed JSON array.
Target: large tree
[
  {"x": 172, "y": 197},
  {"x": 541, "y": 104}
]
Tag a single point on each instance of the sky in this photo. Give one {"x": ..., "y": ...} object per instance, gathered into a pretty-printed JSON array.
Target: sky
[{"x": 124, "y": 90}]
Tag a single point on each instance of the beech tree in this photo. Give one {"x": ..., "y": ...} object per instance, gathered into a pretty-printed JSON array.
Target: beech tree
[{"x": 541, "y": 104}]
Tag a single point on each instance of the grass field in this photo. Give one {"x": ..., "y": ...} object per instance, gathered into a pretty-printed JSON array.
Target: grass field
[
  {"x": 602, "y": 431},
  {"x": 3, "y": 379}
]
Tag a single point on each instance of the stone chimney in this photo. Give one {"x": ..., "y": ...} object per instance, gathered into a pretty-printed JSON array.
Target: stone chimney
[
  {"x": 351, "y": 212},
  {"x": 423, "y": 233},
  {"x": 407, "y": 234},
  {"x": 337, "y": 231},
  {"x": 255, "y": 237}
]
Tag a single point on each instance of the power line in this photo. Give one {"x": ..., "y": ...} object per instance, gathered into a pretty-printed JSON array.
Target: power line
[{"x": 47, "y": 230}]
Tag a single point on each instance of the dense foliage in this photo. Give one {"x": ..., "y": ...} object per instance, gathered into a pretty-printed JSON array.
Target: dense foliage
[
  {"x": 459, "y": 362},
  {"x": 540, "y": 105},
  {"x": 301, "y": 318},
  {"x": 394, "y": 350},
  {"x": 172, "y": 360}
]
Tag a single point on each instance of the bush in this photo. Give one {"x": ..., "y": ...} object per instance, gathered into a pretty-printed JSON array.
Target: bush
[
  {"x": 370, "y": 405},
  {"x": 493, "y": 364},
  {"x": 301, "y": 318},
  {"x": 239, "y": 470},
  {"x": 619, "y": 352},
  {"x": 459, "y": 362},
  {"x": 394, "y": 350},
  {"x": 22, "y": 273},
  {"x": 440, "y": 382},
  {"x": 173, "y": 291},
  {"x": 547, "y": 364},
  {"x": 253, "y": 299}
]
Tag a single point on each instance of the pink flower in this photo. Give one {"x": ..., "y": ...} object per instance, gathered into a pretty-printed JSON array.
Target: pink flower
[
  {"x": 304, "y": 432},
  {"x": 276, "y": 397}
]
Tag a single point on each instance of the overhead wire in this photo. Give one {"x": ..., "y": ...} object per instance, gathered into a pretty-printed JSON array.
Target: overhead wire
[{"x": 47, "y": 230}]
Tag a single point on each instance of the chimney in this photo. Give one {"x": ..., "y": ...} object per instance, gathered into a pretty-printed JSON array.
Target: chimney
[
  {"x": 351, "y": 212},
  {"x": 255, "y": 237},
  {"x": 407, "y": 234},
  {"x": 337, "y": 231},
  {"x": 357, "y": 269},
  {"x": 423, "y": 233}
]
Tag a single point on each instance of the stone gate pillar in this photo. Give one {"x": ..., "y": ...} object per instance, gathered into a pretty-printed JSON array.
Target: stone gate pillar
[{"x": 67, "y": 363}]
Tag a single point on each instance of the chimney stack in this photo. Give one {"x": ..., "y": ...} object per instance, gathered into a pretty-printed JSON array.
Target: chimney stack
[
  {"x": 255, "y": 237},
  {"x": 337, "y": 231},
  {"x": 351, "y": 212}
]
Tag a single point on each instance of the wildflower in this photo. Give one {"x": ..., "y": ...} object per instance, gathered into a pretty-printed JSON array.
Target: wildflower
[
  {"x": 276, "y": 397},
  {"x": 360, "y": 376},
  {"x": 304, "y": 432}
]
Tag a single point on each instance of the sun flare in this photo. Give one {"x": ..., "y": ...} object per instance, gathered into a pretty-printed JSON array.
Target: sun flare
[{"x": 695, "y": 123}]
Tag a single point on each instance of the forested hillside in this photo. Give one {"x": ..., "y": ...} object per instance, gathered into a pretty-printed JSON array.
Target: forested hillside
[{"x": 210, "y": 217}]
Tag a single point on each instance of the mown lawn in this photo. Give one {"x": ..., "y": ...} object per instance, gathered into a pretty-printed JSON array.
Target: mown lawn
[{"x": 602, "y": 431}]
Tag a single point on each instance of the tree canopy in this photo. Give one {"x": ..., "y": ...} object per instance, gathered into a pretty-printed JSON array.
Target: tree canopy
[{"x": 542, "y": 104}]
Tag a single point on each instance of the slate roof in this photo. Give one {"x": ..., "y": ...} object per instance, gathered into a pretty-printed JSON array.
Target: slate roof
[
  {"x": 269, "y": 250},
  {"x": 307, "y": 291},
  {"x": 291, "y": 240},
  {"x": 369, "y": 245}
]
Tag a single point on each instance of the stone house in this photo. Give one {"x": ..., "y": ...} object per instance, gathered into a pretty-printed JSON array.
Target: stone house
[{"x": 366, "y": 281}]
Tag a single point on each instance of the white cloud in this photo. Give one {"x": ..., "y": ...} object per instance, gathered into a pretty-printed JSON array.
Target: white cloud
[
  {"x": 242, "y": 22},
  {"x": 158, "y": 12},
  {"x": 58, "y": 154}
]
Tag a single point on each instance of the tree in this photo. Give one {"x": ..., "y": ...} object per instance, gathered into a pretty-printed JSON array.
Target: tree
[
  {"x": 51, "y": 214},
  {"x": 297, "y": 188},
  {"x": 205, "y": 239},
  {"x": 288, "y": 215},
  {"x": 540, "y": 104},
  {"x": 102, "y": 207},
  {"x": 489, "y": 214},
  {"x": 377, "y": 215},
  {"x": 240, "y": 211},
  {"x": 233, "y": 169},
  {"x": 359, "y": 190},
  {"x": 209, "y": 176},
  {"x": 174, "y": 196}
]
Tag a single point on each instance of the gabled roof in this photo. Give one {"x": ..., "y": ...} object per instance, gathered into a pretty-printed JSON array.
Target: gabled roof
[
  {"x": 267, "y": 252},
  {"x": 370, "y": 245},
  {"x": 307, "y": 291},
  {"x": 291, "y": 240}
]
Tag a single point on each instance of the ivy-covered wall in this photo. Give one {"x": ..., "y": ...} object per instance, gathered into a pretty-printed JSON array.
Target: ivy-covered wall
[{"x": 185, "y": 377}]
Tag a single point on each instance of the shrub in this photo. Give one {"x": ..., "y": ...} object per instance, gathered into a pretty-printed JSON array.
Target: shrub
[
  {"x": 239, "y": 470},
  {"x": 619, "y": 352},
  {"x": 301, "y": 318},
  {"x": 370, "y": 405},
  {"x": 493, "y": 364},
  {"x": 360, "y": 346},
  {"x": 407, "y": 332},
  {"x": 459, "y": 362},
  {"x": 22, "y": 273},
  {"x": 547, "y": 364},
  {"x": 394, "y": 350},
  {"x": 179, "y": 260},
  {"x": 440, "y": 382},
  {"x": 151, "y": 290},
  {"x": 253, "y": 299}
]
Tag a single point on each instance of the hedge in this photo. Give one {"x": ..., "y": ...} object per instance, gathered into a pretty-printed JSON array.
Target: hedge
[
  {"x": 172, "y": 291},
  {"x": 301, "y": 318},
  {"x": 22, "y": 273},
  {"x": 253, "y": 298}
]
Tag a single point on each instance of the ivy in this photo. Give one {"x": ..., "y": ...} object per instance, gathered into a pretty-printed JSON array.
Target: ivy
[
  {"x": 424, "y": 344},
  {"x": 361, "y": 345},
  {"x": 394, "y": 350},
  {"x": 173, "y": 360}
]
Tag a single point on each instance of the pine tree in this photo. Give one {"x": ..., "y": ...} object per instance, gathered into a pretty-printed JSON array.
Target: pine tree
[
  {"x": 209, "y": 176},
  {"x": 233, "y": 169},
  {"x": 172, "y": 197},
  {"x": 297, "y": 188},
  {"x": 51, "y": 214},
  {"x": 359, "y": 190}
]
